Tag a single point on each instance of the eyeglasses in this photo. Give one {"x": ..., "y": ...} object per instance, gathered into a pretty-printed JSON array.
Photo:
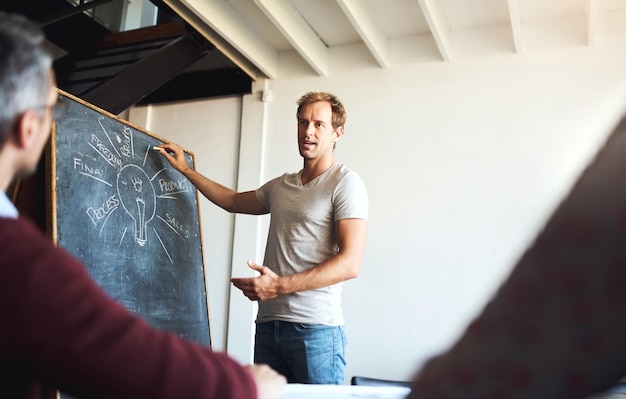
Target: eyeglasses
[{"x": 59, "y": 108}]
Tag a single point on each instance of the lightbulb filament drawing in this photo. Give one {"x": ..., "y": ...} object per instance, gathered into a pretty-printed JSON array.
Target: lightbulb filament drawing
[{"x": 138, "y": 198}]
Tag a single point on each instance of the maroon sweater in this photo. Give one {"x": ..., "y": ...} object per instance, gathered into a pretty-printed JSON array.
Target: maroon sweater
[{"x": 59, "y": 328}]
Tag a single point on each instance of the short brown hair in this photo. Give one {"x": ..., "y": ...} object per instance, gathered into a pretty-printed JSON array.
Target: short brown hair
[{"x": 339, "y": 112}]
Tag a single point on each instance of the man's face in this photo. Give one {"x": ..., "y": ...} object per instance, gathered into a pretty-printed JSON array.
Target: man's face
[
  {"x": 316, "y": 135},
  {"x": 42, "y": 126}
]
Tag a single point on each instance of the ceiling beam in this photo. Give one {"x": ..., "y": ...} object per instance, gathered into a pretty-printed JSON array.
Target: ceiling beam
[
  {"x": 373, "y": 38},
  {"x": 437, "y": 26},
  {"x": 516, "y": 26},
  {"x": 592, "y": 21},
  {"x": 219, "y": 23},
  {"x": 298, "y": 32}
]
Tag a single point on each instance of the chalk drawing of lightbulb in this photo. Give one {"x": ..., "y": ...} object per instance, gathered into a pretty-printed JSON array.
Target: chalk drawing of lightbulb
[{"x": 138, "y": 198}]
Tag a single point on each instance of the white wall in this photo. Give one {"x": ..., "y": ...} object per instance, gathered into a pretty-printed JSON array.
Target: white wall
[{"x": 463, "y": 162}]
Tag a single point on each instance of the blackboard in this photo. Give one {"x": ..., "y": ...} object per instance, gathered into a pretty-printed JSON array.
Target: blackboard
[{"x": 131, "y": 218}]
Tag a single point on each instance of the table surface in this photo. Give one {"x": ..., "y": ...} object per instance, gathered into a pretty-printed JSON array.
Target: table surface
[{"x": 309, "y": 391}]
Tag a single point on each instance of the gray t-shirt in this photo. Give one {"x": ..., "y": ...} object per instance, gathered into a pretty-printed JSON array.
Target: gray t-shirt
[{"x": 302, "y": 235}]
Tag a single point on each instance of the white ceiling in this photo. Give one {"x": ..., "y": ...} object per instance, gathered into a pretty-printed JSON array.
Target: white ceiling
[{"x": 255, "y": 34}]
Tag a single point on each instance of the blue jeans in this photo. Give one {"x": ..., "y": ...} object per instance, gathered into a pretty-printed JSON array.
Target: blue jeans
[{"x": 303, "y": 353}]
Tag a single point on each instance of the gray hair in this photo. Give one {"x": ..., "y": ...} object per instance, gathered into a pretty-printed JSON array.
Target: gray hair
[{"x": 25, "y": 67}]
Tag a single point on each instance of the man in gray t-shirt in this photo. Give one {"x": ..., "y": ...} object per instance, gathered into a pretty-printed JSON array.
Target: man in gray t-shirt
[{"x": 317, "y": 235}]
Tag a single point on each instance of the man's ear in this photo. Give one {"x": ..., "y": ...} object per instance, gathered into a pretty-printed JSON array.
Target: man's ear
[
  {"x": 25, "y": 133},
  {"x": 339, "y": 132}
]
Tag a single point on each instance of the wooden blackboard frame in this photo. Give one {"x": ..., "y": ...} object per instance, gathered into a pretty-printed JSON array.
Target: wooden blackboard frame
[{"x": 163, "y": 249}]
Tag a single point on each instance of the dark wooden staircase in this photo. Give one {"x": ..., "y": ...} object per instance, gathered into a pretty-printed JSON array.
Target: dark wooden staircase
[{"x": 113, "y": 70}]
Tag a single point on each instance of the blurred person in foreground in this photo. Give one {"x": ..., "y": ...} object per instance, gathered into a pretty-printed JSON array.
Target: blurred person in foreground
[
  {"x": 59, "y": 328},
  {"x": 556, "y": 327}
]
